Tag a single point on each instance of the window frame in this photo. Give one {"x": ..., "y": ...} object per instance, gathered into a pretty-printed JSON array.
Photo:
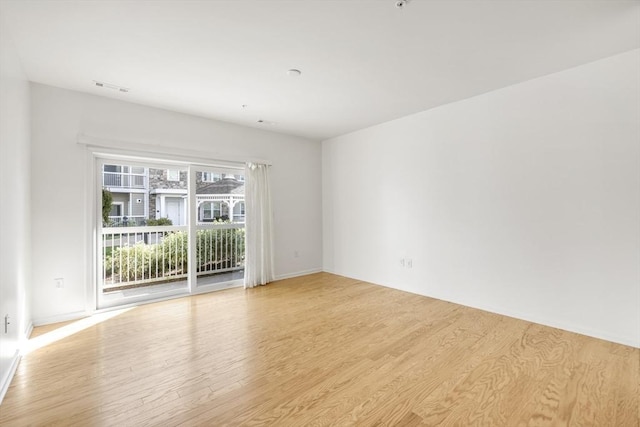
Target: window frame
[{"x": 211, "y": 176}]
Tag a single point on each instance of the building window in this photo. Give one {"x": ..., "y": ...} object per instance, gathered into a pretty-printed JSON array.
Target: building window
[
  {"x": 112, "y": 168},
  {"x": 211, "y": 211},
  {"x": 238, "y": 212},
  {"x": 211, "y": 177},
  {"x": 239, "y": 178},
  {"x": 173, "y": 175},
  {"x": 116, "y": 209},
  {"x": 124, "y": 176}
]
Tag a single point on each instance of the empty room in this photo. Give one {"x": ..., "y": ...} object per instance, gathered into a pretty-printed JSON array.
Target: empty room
[{"x": 320, "y": 212}]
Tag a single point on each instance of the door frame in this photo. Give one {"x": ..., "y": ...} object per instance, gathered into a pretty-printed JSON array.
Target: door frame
[{"x": 96, "y": 157}]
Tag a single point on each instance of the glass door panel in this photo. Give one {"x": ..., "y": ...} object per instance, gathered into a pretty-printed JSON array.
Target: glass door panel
[
  {"x": 143, "y": 232},
  {"x": 219, "y": 213}
]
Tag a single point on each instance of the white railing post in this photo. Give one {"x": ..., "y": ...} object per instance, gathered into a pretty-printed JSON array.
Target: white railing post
[{"x": 219, "y": 247}]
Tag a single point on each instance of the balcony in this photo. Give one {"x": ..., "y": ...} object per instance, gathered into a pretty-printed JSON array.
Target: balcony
[
  {"x": 124, "y": 180},
  {"x": 135, "y": 257}
]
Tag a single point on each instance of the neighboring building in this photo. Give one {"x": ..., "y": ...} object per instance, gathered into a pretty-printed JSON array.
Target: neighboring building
[
  {"x": 219, "y": 196},
  {"x": 140, "y": 194},
  {"x": 129, "y": 186},
  {"x": 168, "y": 195}
]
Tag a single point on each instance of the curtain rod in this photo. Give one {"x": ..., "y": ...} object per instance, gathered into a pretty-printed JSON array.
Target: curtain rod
[{"x": 187, "y": 155}]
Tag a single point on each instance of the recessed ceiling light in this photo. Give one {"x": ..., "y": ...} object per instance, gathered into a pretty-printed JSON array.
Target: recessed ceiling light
[{"x": 293, "y": 72}]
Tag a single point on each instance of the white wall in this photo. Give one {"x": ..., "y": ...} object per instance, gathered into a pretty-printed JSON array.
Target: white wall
[
  {"x": 14, "y": 205},
  {"x": 524, "y": 201},
  {"x": 59, "y": 176}
]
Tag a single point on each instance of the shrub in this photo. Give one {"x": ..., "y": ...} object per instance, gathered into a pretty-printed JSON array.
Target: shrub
[
  {"x": 212, "y": 243},
  {"x": 216, "y": 249},
  {"x": 159, "y": 221},
  {"x": 107, "y": 201}
]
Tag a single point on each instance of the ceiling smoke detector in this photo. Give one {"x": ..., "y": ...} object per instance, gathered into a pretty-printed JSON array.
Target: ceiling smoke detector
[
  {"x": 401, "y": 3},
  {"x": 294, "y": 72}
]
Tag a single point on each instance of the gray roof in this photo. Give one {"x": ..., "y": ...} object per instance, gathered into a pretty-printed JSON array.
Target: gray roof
[{"x": 223, "y": 186}]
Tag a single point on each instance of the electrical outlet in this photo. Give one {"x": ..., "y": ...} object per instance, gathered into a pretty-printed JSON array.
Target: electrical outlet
[
  {"x": 409, "y": 263},
  {"x": 59, "y": 282},
  {"x": 402, "y": 262}
]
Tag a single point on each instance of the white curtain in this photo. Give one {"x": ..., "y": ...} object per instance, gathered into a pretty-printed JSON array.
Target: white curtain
[{"x": 258, "y": 268}]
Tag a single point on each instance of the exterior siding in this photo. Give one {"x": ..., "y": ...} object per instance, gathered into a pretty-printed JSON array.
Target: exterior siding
[
  {"x": 124, "y": 199},
  {"x": 137, "y": 208}
]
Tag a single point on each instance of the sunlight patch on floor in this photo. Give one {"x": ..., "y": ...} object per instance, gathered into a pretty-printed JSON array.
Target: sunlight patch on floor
[{"x": 65, "y": 331}]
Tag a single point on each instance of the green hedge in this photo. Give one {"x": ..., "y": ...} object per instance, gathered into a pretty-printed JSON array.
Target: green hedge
[{"x": 168, "y": 258}]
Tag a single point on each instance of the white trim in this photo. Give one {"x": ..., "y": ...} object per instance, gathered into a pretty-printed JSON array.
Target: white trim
[
  {"x": 191, "y": 215},
  {"x": 559, "y": 325},
  {"x": 535, "y": 319},
  {"x": 93, "y": 218},
  {"x": 122, "y": 190},
  {"x": 27, "y": 333},
  {"x": 127, "y": 302},
  {"x": 181, "y": 192},
  {"x": 9, "y": 377},
  {"x": 513, "y": 314},
  {"x": 102, "y": 154},
  {"x": 182, "y": 221},
  {"x": 177, "y": 155},
  {"x": 298, "y": 273},
  {"x": 15, "y": 361},
  {"x": 215, "y": 287},
  {"x": 65, "y": 317},
  {"x": 222, "y": 286}
]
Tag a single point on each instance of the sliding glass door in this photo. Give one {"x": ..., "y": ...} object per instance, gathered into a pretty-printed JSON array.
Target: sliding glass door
[
  {"x": 219, "y": 209},
  {"x": 166, "y": 230}
]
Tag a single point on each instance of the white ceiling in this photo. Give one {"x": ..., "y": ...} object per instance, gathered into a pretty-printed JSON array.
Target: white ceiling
[{"x": 362, "y": 62}]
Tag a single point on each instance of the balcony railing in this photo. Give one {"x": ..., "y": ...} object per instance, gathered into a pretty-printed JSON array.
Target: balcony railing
[
  {"x": 234, "y": 198},
  {"x": 142, "y": 256},
  {"x": 124, "y": 180},
  {"x": 127, "y": 221},
  {"x": 220, "y": 248}
]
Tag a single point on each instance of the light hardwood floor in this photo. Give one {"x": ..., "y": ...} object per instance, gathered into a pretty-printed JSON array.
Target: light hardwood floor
[{"x": 321, "y": 350}]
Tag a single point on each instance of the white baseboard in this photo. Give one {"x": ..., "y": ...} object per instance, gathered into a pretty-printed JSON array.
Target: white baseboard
[
  {"x": 576, "y": 329},
  {"x": 528, "y": 317},
  {"x": 60, "y": 318},
  {"x": 298, "y": 273},
  {"x": 40, "y": 321},
  {"x": 533, "y": 318},
  {"x": 28, "y": 331},
  {"x": 12, "y": 371}
]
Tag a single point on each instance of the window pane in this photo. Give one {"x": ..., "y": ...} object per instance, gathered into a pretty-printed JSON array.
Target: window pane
[{"x": 173, "y": 175}]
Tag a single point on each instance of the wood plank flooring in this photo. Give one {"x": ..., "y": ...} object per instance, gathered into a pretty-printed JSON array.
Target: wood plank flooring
[{"x": 321, "y": 350}]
